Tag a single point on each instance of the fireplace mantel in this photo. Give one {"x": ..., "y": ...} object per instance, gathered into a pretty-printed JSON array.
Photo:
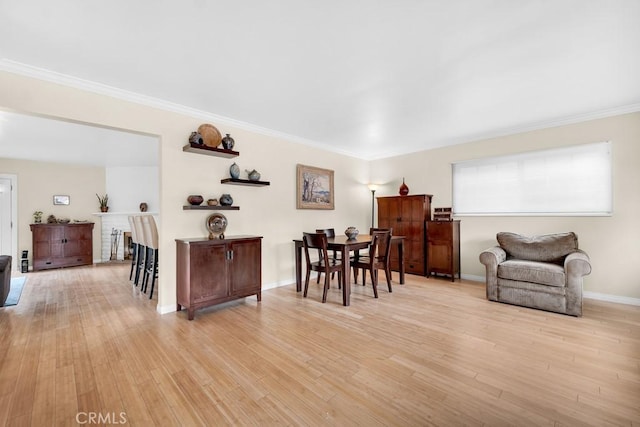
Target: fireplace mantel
[{"x": 123, "y": 213}]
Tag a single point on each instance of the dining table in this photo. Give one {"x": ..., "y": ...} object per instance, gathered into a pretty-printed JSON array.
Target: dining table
[{"x": 345, "y": 246}]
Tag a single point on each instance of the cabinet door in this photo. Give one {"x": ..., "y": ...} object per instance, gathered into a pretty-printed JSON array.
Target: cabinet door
[
  {"x": 387, "y": 213},
  {"x": 245, "y": 267},
  {"x": 78, "y": 241},
  {"x": 208, "y": 268},
  {"x": 440, "y": 257},
  {"x": 48, "y": 242}
]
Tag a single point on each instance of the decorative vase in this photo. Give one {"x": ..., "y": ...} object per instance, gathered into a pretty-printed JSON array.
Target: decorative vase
[
  {"x": 195, "y": 200},
  {"x": 234, "y": 171},
  {"x": 226, "y": 200},
  {"x": 143, "y": 207},
  {"x": 351, "y": 232},
  {"x": 254, "y": 175},
  {"x": 404, "y": 190},
  {"x": 212, "y": 202},
  {"x": 104, "y": 208},
  {"x": 196, "y": 138},
  {"x": 228, "y": 142}
]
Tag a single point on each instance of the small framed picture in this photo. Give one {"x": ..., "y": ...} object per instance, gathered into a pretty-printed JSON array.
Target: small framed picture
[{"x": 61, "y": 200}]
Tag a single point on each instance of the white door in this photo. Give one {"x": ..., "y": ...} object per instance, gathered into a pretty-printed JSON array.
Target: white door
[{"x": 5, "y": 217}]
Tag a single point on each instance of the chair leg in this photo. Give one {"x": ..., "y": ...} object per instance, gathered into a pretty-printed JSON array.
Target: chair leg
[
  {"x": 148, "y": 268},
  {"x": 134, "y": 259},
  {"x": 139, "y": 264},
  {"x": 374, "y": 281},
  {"x": 306, "y": 283},
  {"x": 387, "y": 273},
  {"x": 327, "y": 278},
  {"x": 154, "y": 272}
]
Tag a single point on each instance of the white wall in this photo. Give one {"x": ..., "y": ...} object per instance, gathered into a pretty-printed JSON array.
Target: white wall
[
  {"x": 611, "y": 242},
  {"x": 266, "y": 211},
  {"x": 270, "y": 211},
  {"x": 127, "y": 187}
]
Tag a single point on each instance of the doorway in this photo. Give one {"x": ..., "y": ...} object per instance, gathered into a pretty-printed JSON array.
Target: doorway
[{"x": 8, "y": 207}]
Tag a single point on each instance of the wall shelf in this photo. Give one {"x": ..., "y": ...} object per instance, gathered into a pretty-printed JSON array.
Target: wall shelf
[
  {"x": 210, "y": 208},
  {"x": 209, "y": 151},
  {"x": 248, "y": 182}
]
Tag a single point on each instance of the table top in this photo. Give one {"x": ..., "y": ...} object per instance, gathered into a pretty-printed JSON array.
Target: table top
[{"x": 359, "y": 239}]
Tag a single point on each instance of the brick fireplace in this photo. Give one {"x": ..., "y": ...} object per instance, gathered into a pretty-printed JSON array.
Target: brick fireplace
[{"x": 118, "y": 223}]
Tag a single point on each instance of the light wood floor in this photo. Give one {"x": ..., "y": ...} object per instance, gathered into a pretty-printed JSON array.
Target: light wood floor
[{"x": 82, "y": 341}]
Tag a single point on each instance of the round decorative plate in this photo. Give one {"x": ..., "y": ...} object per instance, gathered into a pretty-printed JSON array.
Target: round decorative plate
[
  {"x": 210, "y": 135},
  {"x": 216, "y": 224}
]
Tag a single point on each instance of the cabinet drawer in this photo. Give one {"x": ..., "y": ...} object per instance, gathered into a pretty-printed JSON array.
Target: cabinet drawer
[{"x": 439, "y": 230}]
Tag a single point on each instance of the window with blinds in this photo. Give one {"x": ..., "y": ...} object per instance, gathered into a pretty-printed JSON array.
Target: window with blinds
[{"x": 574, "y": 180}]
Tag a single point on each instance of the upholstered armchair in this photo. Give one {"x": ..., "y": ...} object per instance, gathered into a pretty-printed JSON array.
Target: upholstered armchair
[
  {"x": 543, "y": 272},
  {"x": 5, "y": 277}
]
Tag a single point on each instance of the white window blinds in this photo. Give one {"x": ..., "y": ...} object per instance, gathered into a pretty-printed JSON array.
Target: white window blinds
[{"x": 575, "y": 180}]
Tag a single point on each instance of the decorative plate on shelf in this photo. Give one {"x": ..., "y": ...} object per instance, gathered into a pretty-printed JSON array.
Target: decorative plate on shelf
[
  {"x": 210, "y": 135},
  {"x": 216, "y": 224}
]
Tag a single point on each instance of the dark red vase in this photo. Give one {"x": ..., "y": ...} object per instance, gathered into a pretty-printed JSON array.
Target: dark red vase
[{"x": 404, "y": 190}]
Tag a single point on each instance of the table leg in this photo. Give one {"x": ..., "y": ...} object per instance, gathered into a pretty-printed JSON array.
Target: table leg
[
  {"x": 346, "y": 280},
  {"x": 298, "y": 266}
]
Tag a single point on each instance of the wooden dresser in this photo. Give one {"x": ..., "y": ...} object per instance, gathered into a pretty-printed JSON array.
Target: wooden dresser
[
  {"x": 62, "y": 245},
  {"x": 210, "y": 272},
  {"x": 407, "y": 216},
  {"x": 443, "y": 248}
]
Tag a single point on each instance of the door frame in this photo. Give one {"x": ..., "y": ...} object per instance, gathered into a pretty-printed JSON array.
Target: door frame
[{"x": 13, "y": 219}]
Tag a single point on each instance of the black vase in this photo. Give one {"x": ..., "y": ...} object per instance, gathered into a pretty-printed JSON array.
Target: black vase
[
  {"x": 228, "y": 142},
  {"x": 226, "y": 200},
  {"x": 196, "y": 138}
]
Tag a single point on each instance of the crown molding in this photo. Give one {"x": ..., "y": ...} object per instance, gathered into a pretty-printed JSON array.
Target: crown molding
[
  {"x": 114, "y": 92},
  {"x": 124, "y": 95}
]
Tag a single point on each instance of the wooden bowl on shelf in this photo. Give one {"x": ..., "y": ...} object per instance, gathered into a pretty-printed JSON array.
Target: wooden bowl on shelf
[{"x": 210, "y": 135}]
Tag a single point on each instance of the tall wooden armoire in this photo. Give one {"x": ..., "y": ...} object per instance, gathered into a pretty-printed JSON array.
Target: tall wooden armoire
[{"x": 407, "y": 216}]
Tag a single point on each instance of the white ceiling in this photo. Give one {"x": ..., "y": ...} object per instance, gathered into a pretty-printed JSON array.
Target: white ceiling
[{"x": 370, "y": 79}]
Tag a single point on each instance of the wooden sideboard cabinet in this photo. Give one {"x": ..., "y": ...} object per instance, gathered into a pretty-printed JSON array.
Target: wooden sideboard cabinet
[
  {"x": 62, "y": 245},
  {"x": 443, "y": 247},
  {"x": 407, "y": 216},
  {"x": 214, "y": 271}
]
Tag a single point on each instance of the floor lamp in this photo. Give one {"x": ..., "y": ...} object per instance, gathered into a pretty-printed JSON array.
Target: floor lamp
[{"x": 373, "y": 188}]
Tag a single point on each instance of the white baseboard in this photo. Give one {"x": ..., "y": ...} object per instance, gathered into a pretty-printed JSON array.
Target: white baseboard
[
  {"x": 473, "y": 278},
  {"x": 164, "y": 309},
  {"x": 611, "y": 298},
  {"x": 586, "y": 294}
]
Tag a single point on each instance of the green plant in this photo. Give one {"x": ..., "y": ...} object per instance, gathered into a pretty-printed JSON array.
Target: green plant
[{"x": 104, "y": 201}]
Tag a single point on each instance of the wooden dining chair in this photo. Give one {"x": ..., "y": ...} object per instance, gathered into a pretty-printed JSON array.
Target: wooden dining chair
[
  {"x": 330, "y": 232},
  {"x": 325, "y": 264},
  {"x": 378, "y": 259}
]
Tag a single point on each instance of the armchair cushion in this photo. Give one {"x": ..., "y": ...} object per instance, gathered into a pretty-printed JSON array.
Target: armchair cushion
[
  {"x": 532, "y": 272},
  {"x": 545, "y": 248}
]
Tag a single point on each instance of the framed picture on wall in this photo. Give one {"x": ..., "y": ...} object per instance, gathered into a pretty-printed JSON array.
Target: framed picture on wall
[
  {"x": 61, "y": 200},
  {"x": 314, "y": 188}
]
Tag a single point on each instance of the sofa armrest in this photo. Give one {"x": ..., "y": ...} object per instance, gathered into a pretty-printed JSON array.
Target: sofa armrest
[
  {"x": 491, "y": 258},
  {"x": 577, "y": 264}
]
